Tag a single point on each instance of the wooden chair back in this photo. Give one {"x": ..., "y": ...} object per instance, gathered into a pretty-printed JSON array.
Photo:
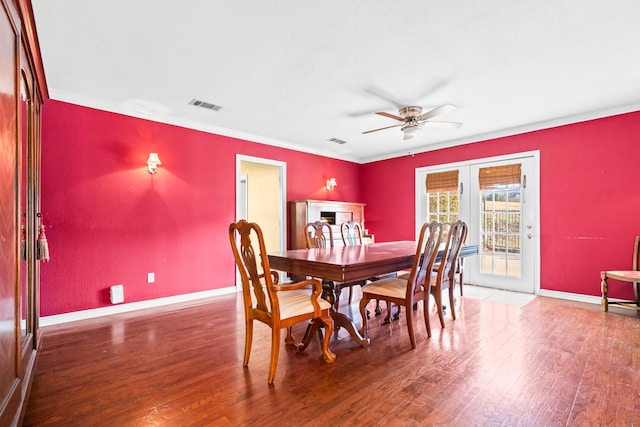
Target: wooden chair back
[
  {"x": 460, "y": 261},
  {"x": 255, "y": 272},
  {"x": 351, "y": 232},
  {"x": 445, "y": 276},
  {"x": 636, "y": 254},
  {"x": 426, "y": 251},
  {"x": 318, "y": 234},
  {"x": 459, "y": 265},
  {"x": 457, "y": 234}
]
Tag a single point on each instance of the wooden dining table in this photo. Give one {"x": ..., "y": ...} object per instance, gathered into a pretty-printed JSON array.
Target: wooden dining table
[{"x": 347, "y": 264}]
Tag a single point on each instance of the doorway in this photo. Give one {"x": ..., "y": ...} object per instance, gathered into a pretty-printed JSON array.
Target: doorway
[
  {"x": 261, "y": 198},
  {"x": 499, "y": 198}
]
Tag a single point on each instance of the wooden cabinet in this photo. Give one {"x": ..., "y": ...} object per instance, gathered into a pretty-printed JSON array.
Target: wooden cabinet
[
  {"x": 302, "y": 212},
  {"x": 22, "y": 93}
]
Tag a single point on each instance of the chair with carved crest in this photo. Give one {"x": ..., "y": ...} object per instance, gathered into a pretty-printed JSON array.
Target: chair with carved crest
[
  {"x": 443, "y": 278},
  {"x": 319, "y": 234},
  {"x": 351, "y": 232},
  {"x": 459, "y": 268},
  {"x": 408, "y": 291},
  {"x": 276, "y": 305}
]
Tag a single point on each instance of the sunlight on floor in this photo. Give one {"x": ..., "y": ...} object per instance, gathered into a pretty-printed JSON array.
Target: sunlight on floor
[{"x": 518, "y": 299}]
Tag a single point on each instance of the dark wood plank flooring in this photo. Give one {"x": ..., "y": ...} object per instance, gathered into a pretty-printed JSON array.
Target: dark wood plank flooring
[{"x": 549, "y": 363}]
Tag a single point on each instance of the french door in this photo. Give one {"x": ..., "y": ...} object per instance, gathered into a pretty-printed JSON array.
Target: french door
[{"x": 498, "y": 198}]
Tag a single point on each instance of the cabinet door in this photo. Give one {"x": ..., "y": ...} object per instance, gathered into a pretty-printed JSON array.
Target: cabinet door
[
  {"x": 20, "y": 100},
  {"x": 9, "y": 244}
]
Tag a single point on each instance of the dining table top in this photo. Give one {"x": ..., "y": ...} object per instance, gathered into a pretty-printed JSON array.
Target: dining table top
[{"x": 351, "y": 263}]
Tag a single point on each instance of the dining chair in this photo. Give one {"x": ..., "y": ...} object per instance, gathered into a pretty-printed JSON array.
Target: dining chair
[
  {"x": 459, "y": 270},
  {"x": 407, "y": 292},
  {"x": 320, "y": 235},
  {"x": 444, "y": 277},
  {"x": 627, "y": 276},
  {"x": 274, "y": 304},
  {"x": 351, "y": 233}
]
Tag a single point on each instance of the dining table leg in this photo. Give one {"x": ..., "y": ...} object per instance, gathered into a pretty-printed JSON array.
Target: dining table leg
[{"x": 330, "y": 292}]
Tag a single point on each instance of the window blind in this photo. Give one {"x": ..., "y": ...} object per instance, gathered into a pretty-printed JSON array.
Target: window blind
[
  {"x": 442, "y": 182},
  {"x": 499, "y": 176}
]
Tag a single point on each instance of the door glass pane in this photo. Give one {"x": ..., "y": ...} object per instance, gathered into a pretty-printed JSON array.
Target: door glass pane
[
  {"x": 24, "y": 144},
  {"x": 500, "y": 230},
  {"x": 444, "y": 206}
]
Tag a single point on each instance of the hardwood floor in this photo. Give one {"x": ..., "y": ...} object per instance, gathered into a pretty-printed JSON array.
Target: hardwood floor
[{"x": 549, "y": 363}]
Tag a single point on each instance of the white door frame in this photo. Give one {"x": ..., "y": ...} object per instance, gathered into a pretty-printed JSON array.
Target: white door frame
[
  {"x": 282, "y": 191},
  {"x": 241, "y": 198},
  {"x": 533, "y": 195}
]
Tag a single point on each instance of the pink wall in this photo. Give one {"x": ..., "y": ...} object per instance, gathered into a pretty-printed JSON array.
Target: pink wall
[
  {"x": 589, "y": 205},
  {"x": 110, "y": 222}
]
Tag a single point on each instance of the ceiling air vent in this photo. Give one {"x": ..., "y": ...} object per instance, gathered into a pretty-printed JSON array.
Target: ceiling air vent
[
  {"x": 203, "y": 104},
  {"x": 337, "y": 141}
]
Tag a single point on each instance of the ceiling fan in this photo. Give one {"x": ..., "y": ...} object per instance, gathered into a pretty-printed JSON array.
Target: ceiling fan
[{"x": 413, "y": 119}]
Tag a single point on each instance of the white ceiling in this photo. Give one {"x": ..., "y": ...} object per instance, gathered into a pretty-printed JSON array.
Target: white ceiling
[{"x": 296, "y": 73}]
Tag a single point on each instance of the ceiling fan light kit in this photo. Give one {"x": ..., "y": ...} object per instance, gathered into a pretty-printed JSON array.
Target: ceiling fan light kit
[
  {"x": 413, "y": 119},
  {"x": 411, "y": 128}
]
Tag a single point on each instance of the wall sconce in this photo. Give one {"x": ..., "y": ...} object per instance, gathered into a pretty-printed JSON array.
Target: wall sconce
[
  {"x": 153, "y": 162},
  {"x": 331, "y": 184}
]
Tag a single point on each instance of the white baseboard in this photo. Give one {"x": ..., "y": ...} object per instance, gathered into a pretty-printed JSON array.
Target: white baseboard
[
  {"x": 123, "y": 308},
  {"x": 590, "y": 299}
]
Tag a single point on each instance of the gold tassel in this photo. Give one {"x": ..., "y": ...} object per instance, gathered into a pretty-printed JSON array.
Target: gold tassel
[{"x": 43, "y": 246}]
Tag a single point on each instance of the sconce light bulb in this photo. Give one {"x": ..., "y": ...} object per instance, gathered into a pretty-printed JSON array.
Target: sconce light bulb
[
  {"x": 331, "y": 184},
  {"x": 153, "y": 162}
]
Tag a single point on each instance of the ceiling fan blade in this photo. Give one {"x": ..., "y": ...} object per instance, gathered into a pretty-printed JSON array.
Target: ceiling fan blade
[
  {"x": 436, "y": 111},
  {"x": 361, "y": 113},
  {"x": 450, "y": 125},
  {"x": 376, "y": 130},
  {"x": 391, "y": 116}
]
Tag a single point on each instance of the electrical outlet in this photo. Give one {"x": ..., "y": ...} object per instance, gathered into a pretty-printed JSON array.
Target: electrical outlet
[{"x": 151, "y": 277}]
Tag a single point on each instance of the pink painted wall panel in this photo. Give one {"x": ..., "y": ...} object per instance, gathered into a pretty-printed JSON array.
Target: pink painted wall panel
[
  {"x": 110, "y": 222},
  {"x": 589, "y": 202}
]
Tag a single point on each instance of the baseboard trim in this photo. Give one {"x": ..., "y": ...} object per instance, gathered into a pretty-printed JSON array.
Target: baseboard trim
[
  {"x": 590, "y": 299},
  {"x": 57, "y": 319}
]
